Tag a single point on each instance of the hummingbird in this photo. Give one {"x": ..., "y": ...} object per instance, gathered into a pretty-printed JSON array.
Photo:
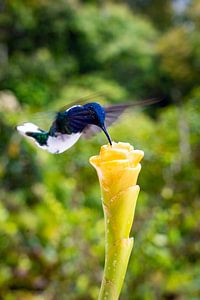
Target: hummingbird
[{"x": 71, "y": 123}]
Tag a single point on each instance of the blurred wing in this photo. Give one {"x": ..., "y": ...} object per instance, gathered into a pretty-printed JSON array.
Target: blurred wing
[
  {"x": 81, "y": 101},
  {"x": 111, "y": 117},
  {"x": 44, "y": 118},
  {"x": 90, "y": 131},
  {"x": 113, "y": 113}
]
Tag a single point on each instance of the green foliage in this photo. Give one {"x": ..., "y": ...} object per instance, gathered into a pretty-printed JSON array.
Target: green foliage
[{"x": 51, "y": 221}]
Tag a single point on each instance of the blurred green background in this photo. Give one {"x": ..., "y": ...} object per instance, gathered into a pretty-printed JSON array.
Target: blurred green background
[{"x": 51, "y": 220}]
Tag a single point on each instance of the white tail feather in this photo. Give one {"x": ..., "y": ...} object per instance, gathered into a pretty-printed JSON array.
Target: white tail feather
[{"x": 28, "y": 127}]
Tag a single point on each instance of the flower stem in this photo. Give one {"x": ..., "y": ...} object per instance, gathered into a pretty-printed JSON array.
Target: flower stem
[{"x": 117, "y": 257}]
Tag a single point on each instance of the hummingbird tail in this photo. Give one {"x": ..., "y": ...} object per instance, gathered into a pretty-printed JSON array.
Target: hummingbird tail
[{"x": 35, "y": 133}]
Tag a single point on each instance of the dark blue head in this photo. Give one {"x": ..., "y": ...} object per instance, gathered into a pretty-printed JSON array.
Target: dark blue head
[{"x": 96, "y": 113}]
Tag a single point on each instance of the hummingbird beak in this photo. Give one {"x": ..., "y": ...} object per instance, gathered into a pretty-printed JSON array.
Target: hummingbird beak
[{"x": 106, "y": 133}]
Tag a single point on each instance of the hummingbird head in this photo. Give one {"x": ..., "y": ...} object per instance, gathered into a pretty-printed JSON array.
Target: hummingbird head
[
  {"x": 98, "y": 115},
  {"x": 96, "y": 112}
]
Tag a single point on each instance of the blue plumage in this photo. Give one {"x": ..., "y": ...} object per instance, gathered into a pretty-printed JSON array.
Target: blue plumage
[{"x": 76, "y": 118}]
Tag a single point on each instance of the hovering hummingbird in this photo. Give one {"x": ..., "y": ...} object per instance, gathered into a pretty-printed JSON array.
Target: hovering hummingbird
[{"x": 78, "y": 120}]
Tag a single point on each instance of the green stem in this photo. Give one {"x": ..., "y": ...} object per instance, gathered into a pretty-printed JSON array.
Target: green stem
[{"x": 117, "y": 253}]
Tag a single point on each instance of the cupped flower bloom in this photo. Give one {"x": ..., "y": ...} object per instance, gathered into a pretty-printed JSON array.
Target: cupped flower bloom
[{"x": 118, "y": 168}]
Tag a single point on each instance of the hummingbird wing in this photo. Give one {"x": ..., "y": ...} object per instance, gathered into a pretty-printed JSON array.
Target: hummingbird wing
[
  {"x": 113, "y": 112},
  {"x": 81, "y": 101},
  {"x": 78, "y": 120},
  {"x": 90, "y": 131}
]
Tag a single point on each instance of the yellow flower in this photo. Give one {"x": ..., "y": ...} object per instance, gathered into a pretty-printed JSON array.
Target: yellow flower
[{"x": 118, "y": 168}]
